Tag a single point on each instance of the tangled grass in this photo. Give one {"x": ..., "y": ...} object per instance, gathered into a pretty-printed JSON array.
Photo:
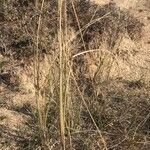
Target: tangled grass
[{"x": 113, "y": 114}]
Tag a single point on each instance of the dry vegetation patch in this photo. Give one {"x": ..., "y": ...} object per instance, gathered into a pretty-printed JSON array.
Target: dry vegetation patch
[{"x": 105, "y": 83}]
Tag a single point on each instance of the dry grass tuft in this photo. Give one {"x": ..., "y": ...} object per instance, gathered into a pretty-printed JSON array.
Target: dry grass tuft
[{"x": 55, "y": 74}]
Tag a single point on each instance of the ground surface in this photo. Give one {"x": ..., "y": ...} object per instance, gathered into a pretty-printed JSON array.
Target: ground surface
[{"x": 15, "y": 111}]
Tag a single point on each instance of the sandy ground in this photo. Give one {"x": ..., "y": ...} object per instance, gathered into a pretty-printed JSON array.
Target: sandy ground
[
  {"x": 12, "y": 120},
  {"x": 139, "y": 64}
]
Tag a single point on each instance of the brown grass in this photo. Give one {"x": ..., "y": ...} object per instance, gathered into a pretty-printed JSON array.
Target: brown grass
[{"x": 72, "y": 77}]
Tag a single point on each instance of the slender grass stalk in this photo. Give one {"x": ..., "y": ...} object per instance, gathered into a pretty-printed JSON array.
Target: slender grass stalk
[
  {"x": 38, "y": 97},
  {"x": 85, "y": 104},
  {"x": 85, "y": 27},
  {"x": 61, "y": 35},
  {"x": 78, "y": 22}
]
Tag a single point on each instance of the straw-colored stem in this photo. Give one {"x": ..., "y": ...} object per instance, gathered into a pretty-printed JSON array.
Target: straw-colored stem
[
  {"x": 61, "y": 31},
  {"x": 41, "y": 111},
  {"x": 85, "y": 104}
]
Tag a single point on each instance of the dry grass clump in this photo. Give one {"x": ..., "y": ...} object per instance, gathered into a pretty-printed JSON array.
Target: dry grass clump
[
  {"x": 104, "y": 25},
  {"x": 18, "y": 29},
  {"x": 75, "y": 108},
  {"x": 121, "y": 112},
  {"x": 117, "y": 111},
  {"x": 20, "y": 23},
  {"x": 116, "y": 23}
]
